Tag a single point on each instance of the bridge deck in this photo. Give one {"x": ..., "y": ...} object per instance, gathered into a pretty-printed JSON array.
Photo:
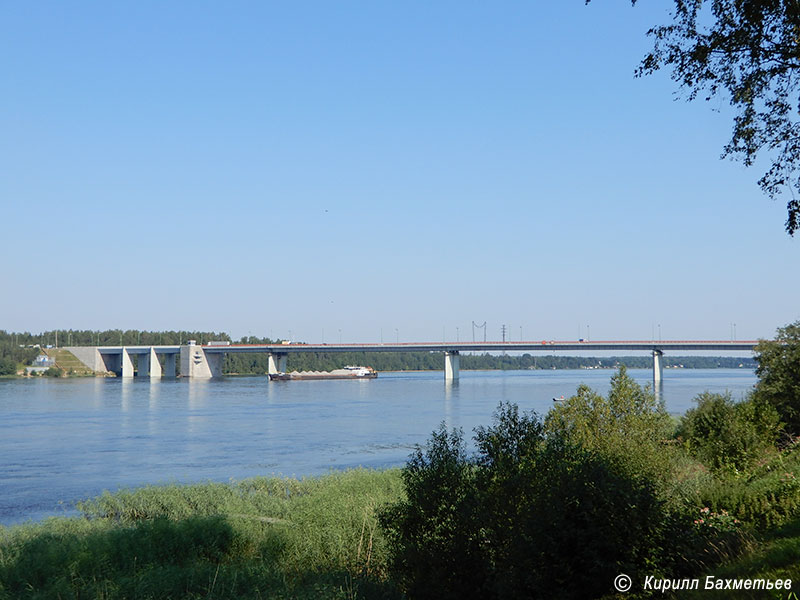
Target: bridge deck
[{"x": 546, "y": 345}]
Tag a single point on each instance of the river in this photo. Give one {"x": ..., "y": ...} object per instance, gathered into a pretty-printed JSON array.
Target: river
[{"x": 69, "y": 439}]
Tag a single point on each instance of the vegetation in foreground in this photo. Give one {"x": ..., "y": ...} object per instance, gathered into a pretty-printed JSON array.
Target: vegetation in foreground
[
  {"x": 261, "y": 538},
  {"x": 550, "y": 507}
]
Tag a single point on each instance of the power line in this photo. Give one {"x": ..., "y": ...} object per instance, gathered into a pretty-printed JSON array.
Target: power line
[{"x": 474, "y": 325}]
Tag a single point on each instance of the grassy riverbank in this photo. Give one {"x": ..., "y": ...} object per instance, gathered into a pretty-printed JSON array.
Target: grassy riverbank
[
  {"x": 260, "y": 538},
  {"x": 314, "y": 538}
]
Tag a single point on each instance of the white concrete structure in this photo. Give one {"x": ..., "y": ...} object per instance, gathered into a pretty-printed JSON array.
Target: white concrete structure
[
  {"x": 452, "y": 364},
  {"x": 658, "y": 369},
  {"x": 127, "y": 363},
  {"x": 199, "y": 364},
  {"x": 149, "y": 365},
  {"x": 89, "y": 356},
  {"x": 120, "y": 360},
  {"x": 276, "y": 363}
]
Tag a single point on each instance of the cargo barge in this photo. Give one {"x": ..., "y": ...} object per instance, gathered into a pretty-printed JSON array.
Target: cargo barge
[{"x": 349, "y": 372}]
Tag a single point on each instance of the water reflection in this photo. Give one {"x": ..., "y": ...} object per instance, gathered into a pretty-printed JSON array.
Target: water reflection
[
  {"x": 658, "y": 390},
  {"x": 450, "y": 400},
  {"x": 152, "y": 406},
  {"x": 126, "y": 389}
]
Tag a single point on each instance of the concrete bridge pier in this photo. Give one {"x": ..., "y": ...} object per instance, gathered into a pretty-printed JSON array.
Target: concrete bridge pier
[
  {"x": 276, "y": 363},
  {"x": 198, "y": 364},
  {"x": 452, "y": 363},
  {"x": 658, "y": 369},
  {"x": 127, "y": 364},
  {"x": 148, "y": 365}
]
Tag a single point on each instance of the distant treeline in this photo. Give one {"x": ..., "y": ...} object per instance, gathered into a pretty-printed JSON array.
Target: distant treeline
[
  {"x": 110, "y": 337},
  {"x": 18, "y": 349},
  {"x": 323, "y": 361},
  {"x": 533, "y": 361},
  {"x": 434, "y": 361}
]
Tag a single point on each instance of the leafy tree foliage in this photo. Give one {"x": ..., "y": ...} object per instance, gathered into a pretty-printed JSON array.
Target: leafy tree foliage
[
  {"x": 779, "y": 375},
  {"x": 7, "y": 366},
  {"x": 435, "y": 534},
  {"x": 629, "y": 426},
  {"x": 532, "y": 515},
  {"x": 13, "y": 350},
  {"x": 749, "y": 52},
  {"x": 724, "y": 434}
]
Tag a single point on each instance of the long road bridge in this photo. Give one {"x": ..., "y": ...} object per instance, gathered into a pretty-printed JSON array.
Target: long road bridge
[{"x": 205, "y": 361}]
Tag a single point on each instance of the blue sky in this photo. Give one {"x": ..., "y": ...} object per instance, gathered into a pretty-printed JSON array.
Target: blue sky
[{"x": 311, "y": 167}]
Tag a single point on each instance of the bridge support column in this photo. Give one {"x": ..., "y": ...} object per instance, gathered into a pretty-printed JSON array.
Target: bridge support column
[
  {"x": 452, "y": 363},
  {"x": 276, "y": 363},
  {"x": 169, "y": 365},
  {"x": 198, "y": 364},
  {"x": 658, "y": 369},
  {"x": 149, "y": 365},
  {"x": 127, "y": 364}
]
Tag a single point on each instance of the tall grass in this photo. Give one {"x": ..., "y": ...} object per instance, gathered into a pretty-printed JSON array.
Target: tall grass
[{"x": 260, "y": 538}]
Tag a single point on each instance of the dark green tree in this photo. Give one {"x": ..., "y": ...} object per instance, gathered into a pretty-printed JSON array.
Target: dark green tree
[
  {"x": 778, "y": 373},
  {"x": 436, "y": 532},
  {"x": 628, "y": 427},
  {"x": 7, "y": 366},
  {"x": 747, "y": 52},
  {"x": 532, "y": 515}
]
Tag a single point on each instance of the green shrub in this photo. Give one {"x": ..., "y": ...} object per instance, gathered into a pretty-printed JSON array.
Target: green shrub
[
  {"x": 728, "y": 435},
  {"x": 629, "y": 427},
  {"x": 435, "y": 539},
  {"x": 532, "y": 515},
  {"x": 769, "y": 495}
]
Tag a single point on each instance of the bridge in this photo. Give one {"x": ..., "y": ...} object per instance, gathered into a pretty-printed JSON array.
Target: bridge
[{"x": 205, "y": 361}]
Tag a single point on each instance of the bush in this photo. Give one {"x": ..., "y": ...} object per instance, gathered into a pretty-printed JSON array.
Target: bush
[
  {"x": 435, "y": 541},
  {"x": 768, "y": 496},
  {"x": 728, "y": 435},
  {"x": 629, "y": 427},
  {"x": 532, "y": 515},
  {"x": 53, "y": 372}
]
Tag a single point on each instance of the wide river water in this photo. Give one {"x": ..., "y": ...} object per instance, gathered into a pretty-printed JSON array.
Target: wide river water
[{"x": 69, "y": 439}]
